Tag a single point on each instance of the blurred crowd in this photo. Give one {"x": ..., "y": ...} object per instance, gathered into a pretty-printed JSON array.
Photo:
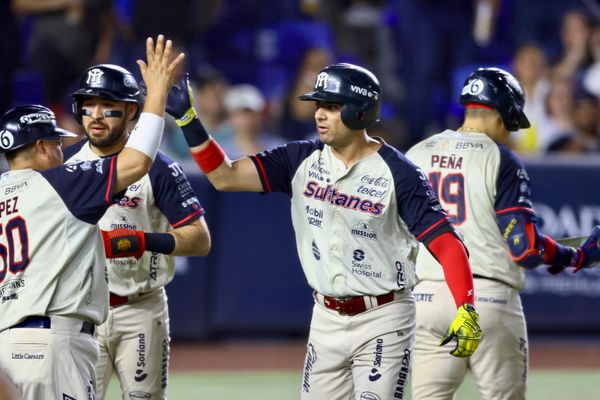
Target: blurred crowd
[{"x": 249, "y": 61}]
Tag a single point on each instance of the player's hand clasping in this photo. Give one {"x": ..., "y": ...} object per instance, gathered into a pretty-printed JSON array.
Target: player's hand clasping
[
  {"x": 123, "y": 242},
  {"x": 180, "y": 103},
  {"x": 465, "y": 328},
  {"x": 587, "y": 255}
]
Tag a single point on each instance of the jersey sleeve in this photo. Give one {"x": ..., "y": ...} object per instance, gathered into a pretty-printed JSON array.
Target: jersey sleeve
[
  {"x": 277, "y": 167},
  {"x": 85, "y": 187},
  {"x": 513, "y": 189},
  {"x": 173, "y": 193},
  {"x": 418, "y": 205}
]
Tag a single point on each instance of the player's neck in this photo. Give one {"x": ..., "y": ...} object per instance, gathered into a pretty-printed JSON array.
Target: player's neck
[
  {"x": 110, "y": 150},
  {"x": 356, "y": 149}
]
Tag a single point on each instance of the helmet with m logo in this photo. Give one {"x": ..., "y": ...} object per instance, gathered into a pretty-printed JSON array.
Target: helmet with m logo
[
  {"x": 356, "y": 88},
  {"x": 106, "y": 81}
]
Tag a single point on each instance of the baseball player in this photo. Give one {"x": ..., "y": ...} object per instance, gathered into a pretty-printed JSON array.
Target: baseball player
[
  {"x": 486, "y": 191},
  {"x": 359, "y": 209},
  {"x": 52, "y": 276},
  {"x": 134, "y": 342}
]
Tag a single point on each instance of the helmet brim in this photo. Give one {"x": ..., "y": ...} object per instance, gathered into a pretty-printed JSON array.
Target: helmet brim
[
  {"x": 524, "y": 122},
  {"x": 63, "y": 133},
  {"x": 103, "y": 94}
]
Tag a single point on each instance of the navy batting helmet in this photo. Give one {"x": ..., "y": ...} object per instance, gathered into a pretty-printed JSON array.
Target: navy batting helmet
[
  {"x": 498, "y": 89},
  {"x": 23, "y": 125},
  {"x": 106, "y": 81},
  {"x": 356, "y": 88}
]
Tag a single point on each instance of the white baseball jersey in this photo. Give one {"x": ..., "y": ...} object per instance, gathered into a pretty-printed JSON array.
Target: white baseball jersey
[
  {"x": 163, "y": 199},
  {"x": 51, "y": 254},
  {"x": 477, "y": 180},
  {"x": 356, "y": 228}
]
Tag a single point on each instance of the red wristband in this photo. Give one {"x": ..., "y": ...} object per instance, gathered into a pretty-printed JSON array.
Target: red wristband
[{"x": 210, "y": 157}]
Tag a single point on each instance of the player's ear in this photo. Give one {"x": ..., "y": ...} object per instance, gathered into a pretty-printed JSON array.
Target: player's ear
[{"x": 131, "y": 111}]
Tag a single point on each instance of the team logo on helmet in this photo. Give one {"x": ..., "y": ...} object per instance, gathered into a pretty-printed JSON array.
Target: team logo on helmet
[
  {"x": 35, "y": 118},
  {"x": 6, "y": 139},
  {"x": 473, "y": 87},
  {"x": 322, "y": 80},
  {"x": 94, "y": 76},
  {"x": 129, "y": 82}
]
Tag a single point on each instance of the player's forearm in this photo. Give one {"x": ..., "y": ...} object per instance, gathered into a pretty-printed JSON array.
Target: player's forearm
[
  {"x": 192, "y": 240},
  {"x": 452, "y": 255}
]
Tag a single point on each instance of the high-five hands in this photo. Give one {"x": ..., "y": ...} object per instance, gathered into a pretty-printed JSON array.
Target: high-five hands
[{"x": 158, "y": 73}]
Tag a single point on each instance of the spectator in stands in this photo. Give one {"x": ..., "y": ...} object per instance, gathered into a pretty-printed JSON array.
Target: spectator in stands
[
  {"x": 591, "y": 76},
  {"x": 559, "y": 106},
  {"x": 584, "y": 137},
  {"x": 245, "y": 107},
  {"x": 67, "y": 37},
  {"x": 574, "y": 36},
  {"x": 530, "y": 67},
  {"x": 298, "y": 117}
]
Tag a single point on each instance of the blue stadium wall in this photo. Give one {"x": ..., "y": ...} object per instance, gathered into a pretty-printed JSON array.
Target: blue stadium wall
[{"x": 252, "y": 285}]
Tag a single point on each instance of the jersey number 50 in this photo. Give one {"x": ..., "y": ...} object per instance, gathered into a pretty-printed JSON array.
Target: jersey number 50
[
  {"x": 450, "y": 189},
  {"x": 15, "y": 256}
]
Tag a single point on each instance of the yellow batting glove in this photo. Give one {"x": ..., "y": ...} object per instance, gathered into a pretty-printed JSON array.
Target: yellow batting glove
[{"x": 465, "y": 328}]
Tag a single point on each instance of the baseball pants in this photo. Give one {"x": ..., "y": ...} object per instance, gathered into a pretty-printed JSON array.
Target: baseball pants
[
  {"x": 366, "y": 356},
  {"x": 135, "y": 344},
  {"x": 500, "y": 363},
  {"x": 53, "y": 363}
]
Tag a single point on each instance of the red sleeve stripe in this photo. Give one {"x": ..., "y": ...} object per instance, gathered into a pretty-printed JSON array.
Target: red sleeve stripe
[
  {"x": 263, "y": 173},
  {"x": 441, "y": 221},
  {"x": 181, "y": 222},
  {"x": 111, "y": 173},
  {"x": 515, "y": 209}
]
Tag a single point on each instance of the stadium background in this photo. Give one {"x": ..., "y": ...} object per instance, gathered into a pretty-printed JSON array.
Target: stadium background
[{"x": 240, "y": 316}]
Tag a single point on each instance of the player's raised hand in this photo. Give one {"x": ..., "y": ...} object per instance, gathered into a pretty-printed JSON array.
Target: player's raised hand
[
  {"x": 158, "y": 72},
  {"x": 465, "y": 328},
  {"x": 180, "y": 103}
]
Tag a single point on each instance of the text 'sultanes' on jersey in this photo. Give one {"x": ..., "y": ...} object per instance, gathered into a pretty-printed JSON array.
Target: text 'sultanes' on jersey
[
  {"x": 362, "y": 222},
  {"x": 477, "y": 180},
  {"x": 52, "y": 254},
  {"x": 163, "y": 199}
]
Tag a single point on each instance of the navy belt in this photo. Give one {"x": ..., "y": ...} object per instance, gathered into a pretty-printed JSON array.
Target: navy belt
[{"x": 43, "y": 322}]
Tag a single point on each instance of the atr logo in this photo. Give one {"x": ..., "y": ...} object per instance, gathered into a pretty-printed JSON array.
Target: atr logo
[
  {"x": 322, "y": 81},
  {"x": 94, "y": 77}
]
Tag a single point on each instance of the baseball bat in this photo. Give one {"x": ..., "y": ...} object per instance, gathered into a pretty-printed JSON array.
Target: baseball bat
[{"x": 573, "y": 241}]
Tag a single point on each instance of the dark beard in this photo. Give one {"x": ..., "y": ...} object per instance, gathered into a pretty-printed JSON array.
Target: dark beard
[{"x": 113, "y": 137}]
